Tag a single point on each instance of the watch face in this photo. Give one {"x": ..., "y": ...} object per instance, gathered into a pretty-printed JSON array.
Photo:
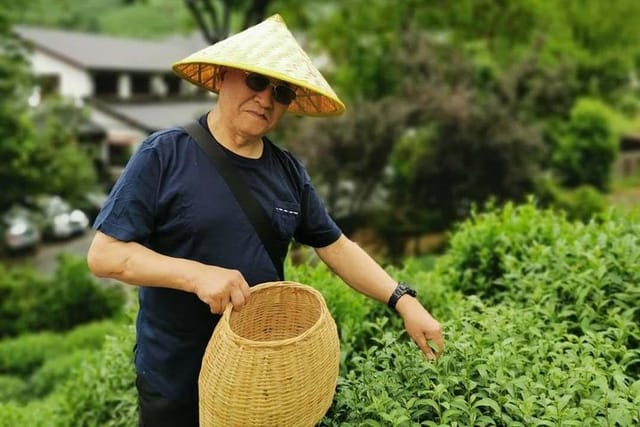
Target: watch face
[
  {"x": 401, "y": 289},
  {"x": 405, "y": 289}
]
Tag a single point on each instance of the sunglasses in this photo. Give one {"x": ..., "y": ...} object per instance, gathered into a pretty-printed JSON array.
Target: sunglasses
[{"x": 281, "y": 93}]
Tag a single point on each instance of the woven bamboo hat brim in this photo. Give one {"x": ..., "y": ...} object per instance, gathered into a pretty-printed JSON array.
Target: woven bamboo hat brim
[{"x": 270, "y": 49}]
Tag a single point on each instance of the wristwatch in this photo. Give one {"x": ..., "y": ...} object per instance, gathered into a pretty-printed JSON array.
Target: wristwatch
[{"x": 402, "y": 289}]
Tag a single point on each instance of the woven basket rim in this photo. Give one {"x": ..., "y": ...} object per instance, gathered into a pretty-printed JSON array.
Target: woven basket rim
[{"x": 324, "y": 312}]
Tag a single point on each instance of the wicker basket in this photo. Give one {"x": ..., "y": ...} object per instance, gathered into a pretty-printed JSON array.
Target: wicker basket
[{"x": 274, "y": 363}]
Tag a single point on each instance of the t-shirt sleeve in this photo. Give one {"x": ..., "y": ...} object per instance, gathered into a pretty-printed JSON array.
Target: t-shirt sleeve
[
  {"x": 317, "y": 228},
  {"x": 129, "y": 212}
]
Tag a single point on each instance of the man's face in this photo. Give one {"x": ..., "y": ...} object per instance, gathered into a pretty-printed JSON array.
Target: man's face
[{"x": 248, "y": 112}]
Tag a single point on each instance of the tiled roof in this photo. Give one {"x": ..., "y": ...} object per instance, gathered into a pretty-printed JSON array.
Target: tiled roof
[
  {"x": 151, "y": 117},
  {"x": 99, "y": 52}
]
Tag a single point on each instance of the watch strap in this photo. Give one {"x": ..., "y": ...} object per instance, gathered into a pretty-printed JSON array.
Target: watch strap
[{"x": 401, "y": 289}]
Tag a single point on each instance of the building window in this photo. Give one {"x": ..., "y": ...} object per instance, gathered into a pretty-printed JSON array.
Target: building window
[
  {"x": 49, "y": 85},
  {"x": 118, "y": 154},
  {"x": 173, "y": 84},
  {"x": 105, "y": 83},
  {"x": 140, "y": 84}
]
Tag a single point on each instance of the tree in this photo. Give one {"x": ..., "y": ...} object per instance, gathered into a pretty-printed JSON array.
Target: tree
[
  {"x": 214, "y": 18},
  {"x": 586, "y": 146},
  {"x": 16, "y": 133},
  {"x": 475, "y": 141},
  {"x": 35, "y": 158},
  {"x": 349, "y": 155},
  {"x": 64, "y": 166}
]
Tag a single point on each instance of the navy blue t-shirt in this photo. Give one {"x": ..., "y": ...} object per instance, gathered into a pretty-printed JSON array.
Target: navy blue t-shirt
[{"x": 171, "y": 199}]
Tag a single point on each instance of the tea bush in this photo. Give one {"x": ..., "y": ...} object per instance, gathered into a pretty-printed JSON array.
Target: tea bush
[
  {"x": 475, "y": 262},
  {"x": 72, "y": 296},
  {"x": 504, "y": 366},
  {"x": 102, "y": 392},
  {"x": 350, "y": 310},
  {"x": 583, "y": 274},
  {"x": 24, "y": 354},
  {"x": 37, "y": 413},
  {"x": 580, "y": 203},
  {"x": 12, "y": 388},
  {"x": 541, "y": 322},
  {"x": 54, "y": 372}
]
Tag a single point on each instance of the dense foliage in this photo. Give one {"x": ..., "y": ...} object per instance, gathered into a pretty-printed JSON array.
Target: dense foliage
[
  {"x": 445, "y": 113},
  {"x": 30, "y": 302},
  {"x": 540, "y": 316},
  {"x": 586, "y": 146},
  {"x": 444, "y": 110},
  {"x": 16, "y": 140}
]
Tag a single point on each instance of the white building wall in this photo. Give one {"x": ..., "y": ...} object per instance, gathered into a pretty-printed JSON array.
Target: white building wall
[{"x": 74, "y": 82}]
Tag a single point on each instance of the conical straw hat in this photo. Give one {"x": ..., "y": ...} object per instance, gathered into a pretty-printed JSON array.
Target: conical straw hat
[{"x": 267, "y": 48}]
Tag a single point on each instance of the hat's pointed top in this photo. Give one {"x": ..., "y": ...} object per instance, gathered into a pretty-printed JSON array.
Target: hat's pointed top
[
  {"x": 276, "y": 17},
  {"x": 268, "y": 48}
]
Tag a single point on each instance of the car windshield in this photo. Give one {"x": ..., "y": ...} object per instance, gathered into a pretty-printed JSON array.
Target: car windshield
[
  {"x": 16, "y": 213},
  {"x": 56, "y": 206}
]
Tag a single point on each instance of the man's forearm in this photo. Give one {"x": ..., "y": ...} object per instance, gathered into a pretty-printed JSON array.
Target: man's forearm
[
  {"x": 132, "y": 263},
  {"x": 358, "y": 269}
]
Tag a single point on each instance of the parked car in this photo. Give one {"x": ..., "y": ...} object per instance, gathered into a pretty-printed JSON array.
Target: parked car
[
  {"x": 58, "y": 219},
  {"x": 91, "y": 202},
  {"x": 19, "y": 230}
]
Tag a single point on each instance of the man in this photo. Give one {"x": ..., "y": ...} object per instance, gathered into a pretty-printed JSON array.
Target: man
[{"x": 172, "y": 226}]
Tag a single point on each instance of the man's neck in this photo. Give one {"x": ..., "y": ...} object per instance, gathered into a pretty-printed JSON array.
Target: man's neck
[{"x": 241, "y": 145}]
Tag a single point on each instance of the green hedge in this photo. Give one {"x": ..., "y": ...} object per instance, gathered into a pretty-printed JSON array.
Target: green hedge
[
  {"x": 540, "y": 317},
  {"x": 101, "y": 391},
  {"x": 504, "y": 365},
  {"x": 12, "y": 388},
  {"x": 54, "y": 372},
  {"x": 30, "y": 302},
  {"x": 584, "y": 274},
  {"x": 22, "y": 355}
]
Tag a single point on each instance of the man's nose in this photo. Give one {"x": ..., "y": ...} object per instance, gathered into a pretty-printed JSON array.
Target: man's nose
[{"x": 265, "y": 96}]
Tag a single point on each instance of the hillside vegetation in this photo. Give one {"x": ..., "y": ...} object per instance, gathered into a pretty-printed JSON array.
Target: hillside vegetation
[{"x": 540, "y": 315}]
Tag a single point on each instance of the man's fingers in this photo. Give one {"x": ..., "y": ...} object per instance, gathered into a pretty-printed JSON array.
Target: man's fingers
[
  {"x": 246, "y": 290},
  {"x": 437, "y": 344},
  {"x": 424, "y": 346},
  {"x": 238, "y": 299},
  {"x": 431, "y": 347},
  {"x": 215, "y": 307}
]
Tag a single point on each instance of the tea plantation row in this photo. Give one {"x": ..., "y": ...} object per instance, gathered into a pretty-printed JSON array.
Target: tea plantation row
[{"x": 540, "y": 315}]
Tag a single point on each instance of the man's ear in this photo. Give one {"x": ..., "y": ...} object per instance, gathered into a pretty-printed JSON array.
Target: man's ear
[{"x": 221, "y": 73}]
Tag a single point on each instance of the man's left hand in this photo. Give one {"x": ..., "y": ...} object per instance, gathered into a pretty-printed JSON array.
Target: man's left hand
[{"x": 421, "y": 326}]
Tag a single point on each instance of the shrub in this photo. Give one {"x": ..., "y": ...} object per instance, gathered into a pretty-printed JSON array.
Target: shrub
[
  {"x": 12, "y": 388},
  {"x": 102, "y": 391},
  {"x": 19, "y": 290},
  {"x": 504, "y": 365},
  {"x": 544, "y": 332},
  {"x": 54, "y": 372},
  {"x": 581, "y": 203},
  {"x": 24, "y": 354},
  {"x": 71, "y": 297},
  {"x": 39, "y": 413},
  {"x": 587, "y": 146},
  {"x": 479, "y": 248},
  {"x": 582, "y": 274}
]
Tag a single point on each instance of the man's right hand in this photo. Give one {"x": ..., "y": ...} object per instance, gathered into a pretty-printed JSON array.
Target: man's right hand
[
  {"x": 133, "y": 263},
  {"x": 217, "y": 287}
]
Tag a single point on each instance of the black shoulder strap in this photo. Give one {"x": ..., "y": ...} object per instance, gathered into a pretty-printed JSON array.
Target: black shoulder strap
[{"x": 240, "y": 190}]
